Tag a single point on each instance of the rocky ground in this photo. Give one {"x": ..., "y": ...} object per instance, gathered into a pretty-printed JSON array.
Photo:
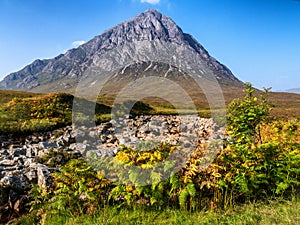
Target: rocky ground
[{"x": 30, "y": 160}]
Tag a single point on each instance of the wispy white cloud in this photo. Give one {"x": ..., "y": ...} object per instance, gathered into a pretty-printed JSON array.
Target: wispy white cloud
[
  {"x": 76, "y": 44},
  {"x": 153, "y": 2}
]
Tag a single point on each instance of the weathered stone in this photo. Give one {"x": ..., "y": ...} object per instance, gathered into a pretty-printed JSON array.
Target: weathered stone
[
  {"x": 47, "y": 145},
  {"x": 122, "y": 141},
  {"x": 182, "y": 127},
  {"x": 93, "y": 133},
  {"x": 42, "y": 176},
  {"x": 28, "y": 162},
  {"x": 78, "y": 134},
  {"x": 82, "y": 148},
  {"x": 31, "y": 175},
  {"x": 29, "y": 152},
  {"x": 18, "y": 181},
  {"x": 3, "y": 152},
  {"x": 43, "y": 152},
  {"x": 7, "y": 162},
  {"x": 145, "y": 129}
]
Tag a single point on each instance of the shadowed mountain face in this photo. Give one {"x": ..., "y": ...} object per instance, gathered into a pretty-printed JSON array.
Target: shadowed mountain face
[{"x": 151, "y": 29}]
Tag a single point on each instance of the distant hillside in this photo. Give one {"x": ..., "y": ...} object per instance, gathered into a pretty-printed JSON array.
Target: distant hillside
[{"x": 294, "y": 90}]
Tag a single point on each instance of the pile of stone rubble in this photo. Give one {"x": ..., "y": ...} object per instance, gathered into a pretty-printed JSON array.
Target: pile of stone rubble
[{"x": 20, "y": 167}]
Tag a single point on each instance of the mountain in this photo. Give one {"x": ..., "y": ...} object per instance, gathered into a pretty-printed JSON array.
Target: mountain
[
  {"x": 294, "y": 90},
  {"x": 149, "y": 42}
]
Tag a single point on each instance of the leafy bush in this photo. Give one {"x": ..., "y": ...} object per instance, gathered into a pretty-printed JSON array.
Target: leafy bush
[
  {"x": 245, "y": 116},
  {"x": 262, "y": 158},
  {"x": 77, "y": 189}
]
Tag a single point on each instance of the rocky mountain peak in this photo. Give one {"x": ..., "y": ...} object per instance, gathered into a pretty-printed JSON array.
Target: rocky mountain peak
[
  {"x": 161, "y": 26},
  {"x": 153, "y": 12},
  {"x": 64, "y": 71},
  {"x": 154, "y": 22},
  {"x": 147, "y": 26}
]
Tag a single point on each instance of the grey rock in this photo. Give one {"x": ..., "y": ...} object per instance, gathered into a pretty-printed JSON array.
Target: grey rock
[
  {"x": 145, "y": 129},
  {"x": 18, "y": 151},
  {"x": 29, "y": 151},
  {"x": 82, "y": 148},
  {"x": 42, "y": 176},
  {"x": 43, "y": 152},
  {"x": 7, "y": 162},
  {"x": 47, "y": 145},
  {"x": 28, "y": 162},
  {"x": 93, "y": 134},
  {"x": 122, "y": 141},
  {"x": 18, "y": 181},
  {"x": 78, "y": 134},
  {"x": 31, "y": 175},
  {"x": 182, "y": 127}
]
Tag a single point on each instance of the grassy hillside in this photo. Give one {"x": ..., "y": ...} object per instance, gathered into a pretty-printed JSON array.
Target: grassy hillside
[
  {"x": 286, "y": 105},
  {"x": 29, "y": 114},
  {"x": 22, "y": 113},
  {"x": 6, "y": 96}
]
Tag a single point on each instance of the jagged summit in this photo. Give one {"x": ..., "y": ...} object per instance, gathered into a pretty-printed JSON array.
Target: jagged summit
[
  {"x": 152, "y": 11},
  {"x": 63, "y": 72},
  {"x": 149, "y": 25}
]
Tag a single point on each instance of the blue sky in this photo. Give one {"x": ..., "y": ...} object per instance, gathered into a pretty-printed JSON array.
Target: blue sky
[{"x": 259, "y": 40}]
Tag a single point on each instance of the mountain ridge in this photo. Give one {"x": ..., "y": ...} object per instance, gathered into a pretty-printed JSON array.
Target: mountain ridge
[{"x": 65, "y": 70}]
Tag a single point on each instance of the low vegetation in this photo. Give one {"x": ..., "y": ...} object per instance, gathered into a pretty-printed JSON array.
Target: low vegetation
[
  {"x": 33, "y": 113},
  {"x": 260, "y": 161},
  {"x": 283, "y": 212},
  {"x": 22, "y": 115},
  {"x": 7, "y": 96},
  {"x": 25, "y": 112}
]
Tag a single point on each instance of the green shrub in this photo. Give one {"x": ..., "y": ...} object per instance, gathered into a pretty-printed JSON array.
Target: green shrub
[
  {"x": 77, "y": 189},
  {"x": 245, "y": 116},
  {"x": 253, "y": 165}
]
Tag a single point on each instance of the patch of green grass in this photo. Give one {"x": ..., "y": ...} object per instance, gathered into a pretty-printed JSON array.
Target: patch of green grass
[
  {"x": 102, "y": 118},
  {"x": 274, "y": 212}
]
